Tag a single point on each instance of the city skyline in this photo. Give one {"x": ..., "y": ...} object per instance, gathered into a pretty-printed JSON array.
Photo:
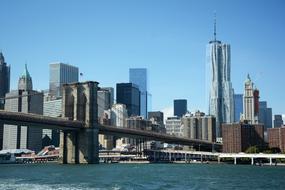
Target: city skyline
[{"x": 175, "y": 47}]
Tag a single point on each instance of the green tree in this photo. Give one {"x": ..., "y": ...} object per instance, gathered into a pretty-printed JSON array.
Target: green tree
[{"x": 252, "y": 149}]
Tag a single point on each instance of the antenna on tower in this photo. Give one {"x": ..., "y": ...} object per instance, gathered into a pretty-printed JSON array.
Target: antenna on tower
[{"x": 215, "y": 26}]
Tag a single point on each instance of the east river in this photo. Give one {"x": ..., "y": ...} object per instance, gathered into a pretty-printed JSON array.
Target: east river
[{"x": 141, "y": 176}]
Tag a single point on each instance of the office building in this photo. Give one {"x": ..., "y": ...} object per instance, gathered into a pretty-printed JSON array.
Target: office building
[
  {"x": 250, "y": 102},
  {"x": 139, "y": 77},
  {"x": 111, "y": 91},
  {"x": 180, "y": 107},
  {"x": 199, "y": 126},
  {"x": 238, "y": 106},
  {"x": 174, "y": 126},
  {"x": 221, "y": 103},
  {"x": 276, "y": 138},
  {"x": 265, "y": 115},
  {"x": 27, "y": 101},
  {"x": 52, "y": 108},
  {"x": 156, "y": 117},
  {"x": 129, "y": 94},
  {"x": 104, "y": 99},
  {"x": 278, "y": 121},
  {"x": 4, "y": 80},
  {"x": 59, "y": 74},
  {"x": 238, "y": 137}
]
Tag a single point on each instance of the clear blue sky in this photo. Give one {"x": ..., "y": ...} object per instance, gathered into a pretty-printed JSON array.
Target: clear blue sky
[{"x": 105, "y": 38}]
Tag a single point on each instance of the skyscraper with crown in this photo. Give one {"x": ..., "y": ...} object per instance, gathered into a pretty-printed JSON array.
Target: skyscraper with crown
[{"x": 25, "y": 100}]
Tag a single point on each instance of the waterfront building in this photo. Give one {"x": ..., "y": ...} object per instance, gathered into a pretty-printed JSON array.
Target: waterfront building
[
  {"x": 276, "y": 138},
  {"x": 52, "y": 108},
  {"x": 250, "y": 102},
  {"x": 59, "y": 74},
  {"x": 238, "y": 137},
  {"x": 278, "y": 121},
  {"x": 27, "y": 101},
  {"x": 174, "y": 126},
  {"x": 238, "y": 106},
  {"x": 129, "y": 94},
  {"x": 4, "y": 81},
  {"x": 180, "y": 107},
  {"x": 139, "y": 77},
  {"x": 265, "y": 115},
  {"x": 199, "y": 126},
  {"x": 221, "y": 103}
]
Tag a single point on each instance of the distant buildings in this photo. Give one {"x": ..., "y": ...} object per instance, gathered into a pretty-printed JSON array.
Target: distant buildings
[
  {"x": 60, "y": 74},
  {"x": 174, "y": 126},
  {"x": 156, "y": 117},
  {"x": 27, "y": 101},
  {"x": 265, "y": 115},
  {"x": 278, "y": 121},
  {"x": 129, "y": 94},
  {"x": 238, "y": 137},
  {"x": 180, "y": 107},
  {"x": 221, "y": 103},
  {"x": 199, "y": 126},
  {"x": 139, "y": 77},
  {"x": 276, "y": 138},
  {"x": 238, "y": 105},
  {"x": 250, "y": 102}
]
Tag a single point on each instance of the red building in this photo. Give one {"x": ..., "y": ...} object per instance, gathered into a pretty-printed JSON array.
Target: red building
[
  {"x": 237, "y": 137},
  {"x": 276, "y": 138}
]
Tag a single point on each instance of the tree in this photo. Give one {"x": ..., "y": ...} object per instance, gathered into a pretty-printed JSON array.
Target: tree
[{"x": 252, "y": 149}]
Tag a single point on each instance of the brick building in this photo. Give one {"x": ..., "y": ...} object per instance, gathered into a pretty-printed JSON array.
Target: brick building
[
  {"x": 276, "y": 138},
  {"x": 237, "y": 137}
]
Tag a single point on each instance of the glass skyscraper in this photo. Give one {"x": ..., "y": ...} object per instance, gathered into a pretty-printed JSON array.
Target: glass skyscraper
[
  {"x": 238, "y": 104},
  {"x": 180, "y": 107},
  {"x": 139, "y": 76},
  {"x": 221, "y": 104},
  {"x": 60, "y": 74},
  {"x": 129, "y": 94},
  {"x": 4, "y": 79}
]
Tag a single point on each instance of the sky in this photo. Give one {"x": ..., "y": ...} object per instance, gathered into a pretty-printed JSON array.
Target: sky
[{"x": 168, "y": 37}]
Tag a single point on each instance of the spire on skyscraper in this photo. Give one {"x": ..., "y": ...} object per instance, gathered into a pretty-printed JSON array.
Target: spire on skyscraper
[{"x": 215, "y": 26}]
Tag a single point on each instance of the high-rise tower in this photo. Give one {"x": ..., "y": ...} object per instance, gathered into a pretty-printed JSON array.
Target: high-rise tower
[
  {"x": 221, "y": 91},
  {"x": 250, "y": 102},
  {"x": 4, "y": 79}
]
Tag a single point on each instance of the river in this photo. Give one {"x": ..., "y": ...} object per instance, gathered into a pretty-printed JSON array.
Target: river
[{"x": 141, "y": 176}]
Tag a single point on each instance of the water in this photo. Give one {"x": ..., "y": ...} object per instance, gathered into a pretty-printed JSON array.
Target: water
[{"x": 141, "y": 176}]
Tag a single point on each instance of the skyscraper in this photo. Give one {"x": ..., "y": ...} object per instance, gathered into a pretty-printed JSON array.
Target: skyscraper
[
  {"x": 238, "y": 104},
  {"x": 60, "y": 74},
  {"x": 139, "y": 76},
  {"x": 250, "y": 102},
  {"x": 265, "y": 115},
  {"x": 27, "y": 101},
  {"x": 4, "y": 88},
  {"x": 129, "y": 94},
  {"x": 180, "y": 107},
  {"x": 221, "y": 92},
  {"x": 278, "y": 121},
  {"x": 4, "y": 79}
]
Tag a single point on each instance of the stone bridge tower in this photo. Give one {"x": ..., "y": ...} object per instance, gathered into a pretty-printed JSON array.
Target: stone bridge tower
[{"x": 79, "y": 102}]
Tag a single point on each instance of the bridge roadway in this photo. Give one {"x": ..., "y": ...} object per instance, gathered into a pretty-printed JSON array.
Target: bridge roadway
[{"x": 27, "y": 119}]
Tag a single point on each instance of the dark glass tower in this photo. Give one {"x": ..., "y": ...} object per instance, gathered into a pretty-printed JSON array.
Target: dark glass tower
[
  {"x": 4, "y": 79},
  {"x": 129, "y": 94},
  {"x": 180, "y": 107}
]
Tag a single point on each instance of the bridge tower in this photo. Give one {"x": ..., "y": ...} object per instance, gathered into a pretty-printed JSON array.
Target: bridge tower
[{"x": 79, "y": 102}]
